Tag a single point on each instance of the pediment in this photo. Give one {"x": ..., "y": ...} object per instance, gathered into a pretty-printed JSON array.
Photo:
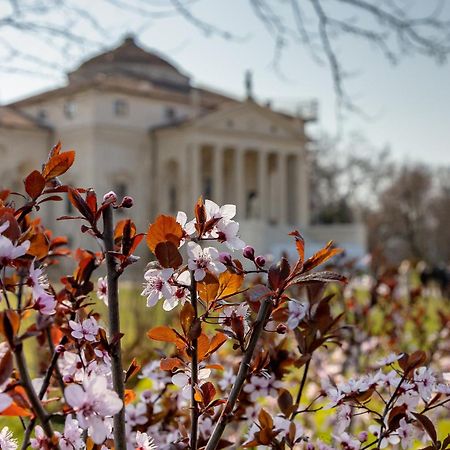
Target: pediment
[{"x": 251, "y": 118}]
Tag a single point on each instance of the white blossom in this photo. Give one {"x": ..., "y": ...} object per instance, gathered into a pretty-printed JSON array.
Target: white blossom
[
  {"x": 86, "y": 330},
  {"x": 201, "y": 260},
  {"x": 157, "y": 287}
]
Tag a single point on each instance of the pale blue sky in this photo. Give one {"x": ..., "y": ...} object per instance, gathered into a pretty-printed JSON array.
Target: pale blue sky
[{"x": 409, "y": 103}]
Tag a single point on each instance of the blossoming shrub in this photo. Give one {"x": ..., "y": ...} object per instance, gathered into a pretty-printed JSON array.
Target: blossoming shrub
[{"x": 257, "y": 354}]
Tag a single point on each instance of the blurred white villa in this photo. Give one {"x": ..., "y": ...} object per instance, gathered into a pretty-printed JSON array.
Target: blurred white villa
[{"x": 140, "y": 127}]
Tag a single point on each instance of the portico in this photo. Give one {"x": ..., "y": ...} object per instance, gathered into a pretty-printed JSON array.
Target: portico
[{"x": 265, "y": 176}]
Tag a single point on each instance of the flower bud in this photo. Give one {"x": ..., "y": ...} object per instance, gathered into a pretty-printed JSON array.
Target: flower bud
[
  {"x": 225, "y": 258},
  {"x": 60, "y": 349},
  {"x": 281, "y": 328},
  {"x": 362, "y": 437},
  {"x": 260, "y": 261},
  {"x": 249, "y": 252},
  {"x": 127, "y": 202},
  {"x": 110, "y": 197},
  {"x": 67, "y": 378}
]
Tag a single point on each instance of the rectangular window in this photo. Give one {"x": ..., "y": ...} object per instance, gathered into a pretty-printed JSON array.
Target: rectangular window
[
  {"x": 120, "y": 108},
  {"x": 69, "y": 109}
]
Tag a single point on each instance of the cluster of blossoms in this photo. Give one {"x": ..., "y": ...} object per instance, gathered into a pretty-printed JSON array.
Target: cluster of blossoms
[
  {"x": 274, "y": 326},
  {"x": 173, "y": 287},
  {"x": 406, "y": 393}
]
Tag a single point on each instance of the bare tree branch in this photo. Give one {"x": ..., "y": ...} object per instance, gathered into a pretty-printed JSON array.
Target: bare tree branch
[{"x": 315, "y": 25}]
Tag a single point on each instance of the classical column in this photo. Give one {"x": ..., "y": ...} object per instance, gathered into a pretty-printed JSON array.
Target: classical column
[
  {"x": 303, "y": 188},
  {"x": 195, "y": 173},
  {"x": 263, "y": 186},
  {"x": 239, "y": 182},
  {"x": 282, "y": 180},
  {"x": 217, "y": 154}
]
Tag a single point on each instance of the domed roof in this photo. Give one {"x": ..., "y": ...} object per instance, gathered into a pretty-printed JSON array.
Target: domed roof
[
  {"x": 130, "y": 60},
  {"x": 128, "y": 52}
]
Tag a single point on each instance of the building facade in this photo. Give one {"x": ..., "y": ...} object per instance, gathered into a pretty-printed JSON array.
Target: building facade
[{"x": 140, "y": 128}]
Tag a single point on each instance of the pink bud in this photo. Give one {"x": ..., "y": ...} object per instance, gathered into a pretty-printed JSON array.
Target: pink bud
[
  {"x": 110, "y": 197},
  {"x": 225, "y": 258},
  {"x": 249, "y": 252},
  {"x": 67, "y": 378},
  {"x": 60, "y": 349},
  {"x": 362, "y": 437},
  {"x": 260, "y": 261},
  {"x": 127, "y": 202}
]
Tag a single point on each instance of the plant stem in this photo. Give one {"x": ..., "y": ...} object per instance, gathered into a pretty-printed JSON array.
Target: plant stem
[
  {"x": 120, "y": 442},
  {"x": 258, "y": 327},
  {"x": 302, "y": 386},
  {"x": 194, "y": 368},
  {"x": 43, "y": 390},
  {"x": 36, "y": 404}
]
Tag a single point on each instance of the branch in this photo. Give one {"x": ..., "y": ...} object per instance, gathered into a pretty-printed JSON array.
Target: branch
[
  {"x": 263, "y": 314},
  {"x": 194, "y": 369},
  {"x": 120, "y": 442},
  {"x": 25, "y": 380}
]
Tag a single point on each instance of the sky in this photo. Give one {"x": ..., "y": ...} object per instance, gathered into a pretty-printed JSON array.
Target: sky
[{"x": 406, "y": 106}]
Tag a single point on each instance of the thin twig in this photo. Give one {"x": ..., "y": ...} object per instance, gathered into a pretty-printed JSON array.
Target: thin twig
[{"x": 302, "y": 386}]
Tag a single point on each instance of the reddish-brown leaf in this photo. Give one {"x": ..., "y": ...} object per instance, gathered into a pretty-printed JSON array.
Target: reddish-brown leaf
[
  {"x": 165, "y": 228},
  {"x": 427, "y": 425},
  {"x": 80, "y": 204},
  {"x": 321, "y": 256},
  {"x": 6, "y": 367},
  {"x": 207, "y": 289},
  {"x": 265, "y": 419},
  {"x": 300, "y": 244},
  {"x": 166, "y": 334},
  {"x": 129, "y": 396},
  {"x": 15, "y": 410},
  {"x": 208, "y": 391},
  {"x": 229, "y": 284},
  {"x": 39, "y": 246},
  {"x": 58, "y": 164},
  {"x": 285, "y": 402},
  {"x": 168, "y": 255},
  {"x": 132, "y": 370},
  {"x": 170, "y": 363},
  {"x": 187, "y": 316},
  {"x": 34, "y": 184}
]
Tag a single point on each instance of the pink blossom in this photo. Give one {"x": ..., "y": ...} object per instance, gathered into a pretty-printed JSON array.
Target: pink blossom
[
  {"x": 86, "y": 330},
  {"x": 102, "y": 290},
  {"x": 144, "y": 442},
  {"x": 7, "y": 440},
  {"x": 92, "y": 402},
  {"x": 201, "y": 260},
  {"x": 157, "y": 287}
]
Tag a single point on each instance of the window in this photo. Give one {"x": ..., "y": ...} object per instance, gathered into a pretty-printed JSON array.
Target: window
[
  {"x": 69, "y": 109},
  {"x": 173, "y": 199},
  {"x": 169, "y": 114},
  {"x": 120, "y": 107},
  {"x": 42, "y": 115}
]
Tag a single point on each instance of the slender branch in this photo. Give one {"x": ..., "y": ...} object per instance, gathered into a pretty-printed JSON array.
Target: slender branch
[
  {"x": 194, "y": 369},
  {"x": 120, "y": 442},
  {"x": 302, "y": 386},
  {"x": 36, "y": 404},
  {"x": 244, "y": 367}
]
